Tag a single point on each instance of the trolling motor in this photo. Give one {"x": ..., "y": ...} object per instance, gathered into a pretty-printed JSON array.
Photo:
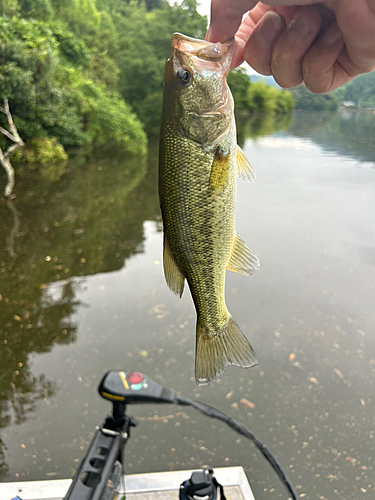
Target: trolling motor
[
  {"x": 101, "y": 470},
  {"x": 202, "y": 485}
]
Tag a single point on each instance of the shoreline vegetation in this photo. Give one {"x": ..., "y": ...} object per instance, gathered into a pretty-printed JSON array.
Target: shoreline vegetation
[
  {"x": 85, "y": 74},
  {"x": 359, "y": 93}
]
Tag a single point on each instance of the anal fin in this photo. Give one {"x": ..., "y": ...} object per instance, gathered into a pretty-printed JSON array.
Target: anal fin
[
  {"x": 173, "y": 276},
  {"x": 243, "y": 260}
]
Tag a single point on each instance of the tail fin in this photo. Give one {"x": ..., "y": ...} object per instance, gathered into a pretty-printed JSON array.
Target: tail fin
[{"x": 216, "y": 350}]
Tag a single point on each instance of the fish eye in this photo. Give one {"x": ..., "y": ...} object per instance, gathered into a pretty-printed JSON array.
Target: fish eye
[{"x": 183, "y": 77}]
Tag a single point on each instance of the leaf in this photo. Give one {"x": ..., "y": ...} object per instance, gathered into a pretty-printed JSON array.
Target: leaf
[{"x": 247, "y": 403}]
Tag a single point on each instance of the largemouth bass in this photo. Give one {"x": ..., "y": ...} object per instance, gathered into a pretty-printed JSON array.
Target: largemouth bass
[{"x": 198, "y": 165}]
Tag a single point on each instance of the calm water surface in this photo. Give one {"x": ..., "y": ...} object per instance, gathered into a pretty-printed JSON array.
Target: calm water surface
[{"x": 82, "y": 291}]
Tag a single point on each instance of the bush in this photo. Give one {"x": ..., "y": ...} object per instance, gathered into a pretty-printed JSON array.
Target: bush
[
  {"x": 46, "y": 73},
  {"x": 258, "y": 97},
  {"x": 41, "y": 150}
]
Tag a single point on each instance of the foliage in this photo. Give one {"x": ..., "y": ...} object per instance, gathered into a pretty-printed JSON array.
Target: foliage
[
  {"x": 283, "y": 101},
  {"x": 46, "y": 73},
  {"x": 144, "y": 41},
  {"x": 71, "y": 47},
  {"x": 36, "y": 9},
  {"x": 90, "y": 72},
  {"x": 360, "y": 91},
  {"x": 106, "y": 115},
  {"x": 307, "y": 101},
  {"x": 40, "y": 105},
  {"x": 8, "y": 8},
  {"x": 239, "y": 83},
  {"x": 41, "y": 150},
  {"x": 81, "y": 17},
  {"x": 258, "y": 97}
]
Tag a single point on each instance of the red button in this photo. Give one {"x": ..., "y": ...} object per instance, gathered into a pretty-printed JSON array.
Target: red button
[{"x": 135, "y": 377}]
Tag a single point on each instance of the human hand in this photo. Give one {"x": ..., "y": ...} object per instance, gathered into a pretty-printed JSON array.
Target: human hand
[{"x": 323, "y": 44}]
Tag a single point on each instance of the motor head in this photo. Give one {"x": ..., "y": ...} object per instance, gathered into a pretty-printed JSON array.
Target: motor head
[{"x": 202, "y": 485}]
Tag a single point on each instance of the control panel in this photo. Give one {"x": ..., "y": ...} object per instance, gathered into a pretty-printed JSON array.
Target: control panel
[{"x": 131, "y": 387}]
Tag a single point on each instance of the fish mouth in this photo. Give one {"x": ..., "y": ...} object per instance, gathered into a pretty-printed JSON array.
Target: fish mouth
[{"x": 205, "y": 51}]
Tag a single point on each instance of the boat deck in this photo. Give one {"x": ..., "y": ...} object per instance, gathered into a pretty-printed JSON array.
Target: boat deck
[{"x": 153, "y": 486}]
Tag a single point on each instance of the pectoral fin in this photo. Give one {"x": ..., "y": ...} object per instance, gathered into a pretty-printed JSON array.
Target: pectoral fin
[
  {"x": 244, "y": 169},
  {"x": 243, "y": 260},
  {"x": 173, "y": 276},
  {"x": 219, "y": 170}
]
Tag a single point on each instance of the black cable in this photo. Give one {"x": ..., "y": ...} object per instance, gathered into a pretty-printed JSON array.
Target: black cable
[{"x": 244, "y": 431}]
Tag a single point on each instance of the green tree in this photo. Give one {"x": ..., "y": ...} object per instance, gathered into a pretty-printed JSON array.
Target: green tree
[
  {"x": 361, "y": 91},
  {"x": 8, "y": 8},
  {"x": 36, "y": 9},
  {"x": 258, "y": 97},
  {"x": 144, "y": 42},
  {"x": 81, "y": 16},
  {"x": 90, "y": 72},
  {"x": 239, "y": 83},
  {"x": 307, "y": 101},
  {"x": 53, "y": 93}
]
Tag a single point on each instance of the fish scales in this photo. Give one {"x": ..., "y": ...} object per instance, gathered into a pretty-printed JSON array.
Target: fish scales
[
  {"x": 199, "y": 225},
  {"x": 199, "y": 162}
]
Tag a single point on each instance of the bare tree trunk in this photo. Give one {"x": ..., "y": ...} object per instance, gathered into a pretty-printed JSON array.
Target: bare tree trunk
[
  {"x": 10, "y": 174},
  {"x": 4, "y": 157}
]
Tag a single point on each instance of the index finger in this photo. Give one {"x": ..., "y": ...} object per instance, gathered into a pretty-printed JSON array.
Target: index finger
[
  {"x": 357, "y": 24},
  {"x": 226, "y": 15},
  {"x": 226, "y": 18}
]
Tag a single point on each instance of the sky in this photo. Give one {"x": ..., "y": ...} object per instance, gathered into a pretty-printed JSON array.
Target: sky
[{"x": 204, "y": 7}]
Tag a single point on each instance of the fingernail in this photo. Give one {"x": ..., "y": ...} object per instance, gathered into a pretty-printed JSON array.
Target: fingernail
[
  {"x": 332, "y": 36},
  {"x": 300, "y": 26},
  {"x": 269, "y": 30}
]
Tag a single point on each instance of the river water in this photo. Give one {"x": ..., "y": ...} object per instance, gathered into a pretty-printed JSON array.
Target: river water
[{"x": 82, "y": 291}]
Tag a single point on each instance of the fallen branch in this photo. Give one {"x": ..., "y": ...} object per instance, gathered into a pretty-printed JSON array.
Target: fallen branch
[{"x": 4, "y": 157}]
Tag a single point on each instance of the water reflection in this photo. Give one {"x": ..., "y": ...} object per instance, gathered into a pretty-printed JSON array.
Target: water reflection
[
  {"x": 83, "y": 220},
  {"x": 253, "y": 126},
  {"x": 14, "y": 232},
  {"x": 348, "y": 132}
]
